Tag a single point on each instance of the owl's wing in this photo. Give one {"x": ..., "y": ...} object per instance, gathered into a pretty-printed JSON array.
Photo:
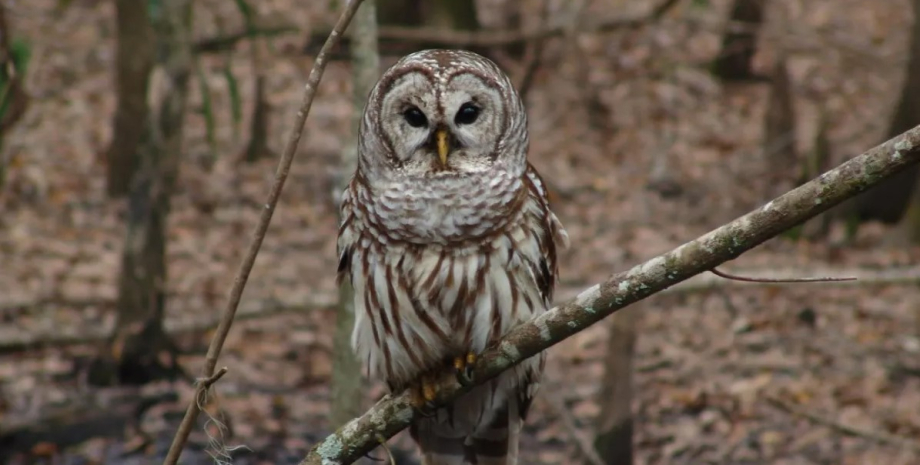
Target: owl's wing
[
  {"x": 554, "y": 237},
  {"x": 348, "y": 237},
  {"x": 551, "y": 237}
]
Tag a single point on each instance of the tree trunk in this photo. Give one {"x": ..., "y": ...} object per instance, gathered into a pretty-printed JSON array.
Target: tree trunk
[
  {"x": 781, "y": 162},
  {"x": 13, "y": 97},
  {"x": 134, "y": 59},
  {"x": 258, "y": 126},
  {"x": 445, "y": 14},
  {"x": 400, "y": 12},
  {"x": 740, "y": 46},
  {"x": 141, "y": 348},
  {"x": 448, "y": 14},
  {"x": 451, "y": 14},
  {"x": 365, "y": 64},
  {"x": 13, "y": 60},
  {"x": 888, "y": 201},
  {"x": 614, "y": 426},
  {"x": 817, "y": 162}
]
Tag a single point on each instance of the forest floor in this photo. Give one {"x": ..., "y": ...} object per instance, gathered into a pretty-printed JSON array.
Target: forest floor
[{"x": 643, "y": 150}]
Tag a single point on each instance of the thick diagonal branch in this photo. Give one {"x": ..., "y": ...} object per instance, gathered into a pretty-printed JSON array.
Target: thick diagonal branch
[{"x": 393, "y": 413}]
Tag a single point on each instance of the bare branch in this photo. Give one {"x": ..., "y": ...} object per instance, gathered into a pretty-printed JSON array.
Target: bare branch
[
  {"x": 748, "y": 279},
  {"x": 242, "y": 275},
  {"x": 206, "y": 383},
  {"x": 394, "y": 412}
]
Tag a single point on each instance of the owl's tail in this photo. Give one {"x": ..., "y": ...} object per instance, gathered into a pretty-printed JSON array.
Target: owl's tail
[
  {"x": 439, "y": 449},
  {"x": 496, "y": 444}
]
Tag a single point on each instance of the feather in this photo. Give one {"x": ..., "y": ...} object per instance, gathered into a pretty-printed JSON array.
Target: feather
[{"x": 445, "y": 262}]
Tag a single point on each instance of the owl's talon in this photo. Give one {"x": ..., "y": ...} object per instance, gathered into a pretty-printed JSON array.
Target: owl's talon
[
  {"x": 464, "y": 368},
  {"x": 424, "y": 394}
]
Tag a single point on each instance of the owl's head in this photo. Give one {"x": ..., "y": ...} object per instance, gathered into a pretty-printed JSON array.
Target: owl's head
[{"x": 443, "y": 113}]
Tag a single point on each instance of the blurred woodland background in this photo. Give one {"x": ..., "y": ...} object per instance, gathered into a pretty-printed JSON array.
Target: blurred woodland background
[{"x": 138, "y": 140}]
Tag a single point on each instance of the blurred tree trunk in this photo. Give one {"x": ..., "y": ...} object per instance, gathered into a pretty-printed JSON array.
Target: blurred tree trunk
[
  {"x": 781, "y": 162},
  {"x": 140, "y": 347},
  {"x": 740, "y": 46},
  {"x": 888, "y": 201},
  {"x": 614, "y": 426},
  {"x": 365, "y": 65},
  {"x": 400, "y": 12},
  {"x": 13, "y": 97},
  {"x": 134, "y": 59},
  {"x": 445, "y": 14},
  {"x": 817, "y": 162},
  {"x": 258, "y": 125},
  {"x": 448, "y": 14},
  {"x": 451, "y": 14},
  {"x": 13, "y": 59}
]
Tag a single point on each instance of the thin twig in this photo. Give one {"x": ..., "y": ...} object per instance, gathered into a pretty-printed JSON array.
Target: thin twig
[
  {"x": 208, "y": 382},
  {"x": 242, "y": 275},
  {"x": 748, "y": 279},
  {"x": 876, "y": 436},
  {"x": 558, "y": 408},
  {"x": 383, "y": 443}
]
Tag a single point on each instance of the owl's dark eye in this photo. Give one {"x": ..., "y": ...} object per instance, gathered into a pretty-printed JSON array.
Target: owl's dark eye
[
  {"x": 467, "y": 114},
  {"x": 415, "y": 117}
]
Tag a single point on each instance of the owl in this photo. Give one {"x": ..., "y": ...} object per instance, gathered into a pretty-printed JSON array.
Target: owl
[{"x": 449, "y": 242}]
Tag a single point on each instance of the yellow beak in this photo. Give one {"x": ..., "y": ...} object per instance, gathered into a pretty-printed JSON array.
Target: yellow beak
[{"x": 443, "y": 147}]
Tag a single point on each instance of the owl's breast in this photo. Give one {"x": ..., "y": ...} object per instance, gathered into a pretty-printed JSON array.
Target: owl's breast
[{"x": 445, "y": 210}]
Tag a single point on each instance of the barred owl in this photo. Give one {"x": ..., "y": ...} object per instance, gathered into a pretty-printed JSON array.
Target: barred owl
[{"x": 449, "y": 242}]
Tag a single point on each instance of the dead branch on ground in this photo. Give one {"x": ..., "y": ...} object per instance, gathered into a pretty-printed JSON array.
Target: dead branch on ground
[
  {"x": 79, "y": 417},
  {"x": 395, "y": 412},
  {"x": 876, "y": 436},
  {"x": 561, "y": 411},
  {"x": 60, "y": 337}
]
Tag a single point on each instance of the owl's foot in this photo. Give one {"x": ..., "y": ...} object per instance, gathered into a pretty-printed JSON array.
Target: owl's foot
[
  {"x": 423, "y": 395},
  {"x": 464, "y": 367}
]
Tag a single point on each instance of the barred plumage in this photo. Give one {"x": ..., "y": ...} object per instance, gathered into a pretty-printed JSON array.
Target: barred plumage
[{"x": 449, "y": 242}]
